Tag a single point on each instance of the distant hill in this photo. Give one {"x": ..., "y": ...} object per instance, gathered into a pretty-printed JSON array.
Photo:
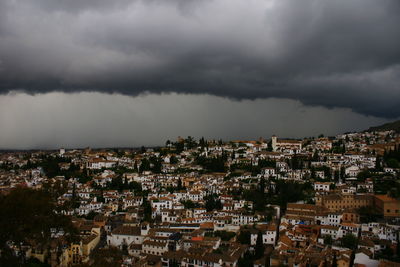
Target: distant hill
[{"x": 386, "y": 127}]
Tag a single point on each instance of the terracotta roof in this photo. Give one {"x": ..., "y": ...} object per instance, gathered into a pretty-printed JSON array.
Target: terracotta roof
[
  {"x": 385, "y": 198},
  {"x": 127, "y": 230}
]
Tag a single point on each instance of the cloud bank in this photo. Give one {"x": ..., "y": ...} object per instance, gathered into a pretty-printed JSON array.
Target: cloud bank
[{"x": 342, "y": 53}]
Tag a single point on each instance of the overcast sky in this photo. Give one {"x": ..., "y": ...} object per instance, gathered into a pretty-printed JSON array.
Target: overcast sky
[{"x": 133, "y": 72}]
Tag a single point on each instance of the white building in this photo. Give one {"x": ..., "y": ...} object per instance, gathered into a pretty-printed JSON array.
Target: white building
[
  {"x": 322, "y": 186},
  {"x": 125, "y": 235}
]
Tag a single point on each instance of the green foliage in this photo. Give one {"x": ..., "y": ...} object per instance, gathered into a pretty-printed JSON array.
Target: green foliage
[
  {"x": 392, "y": 157},
  {"x": 7, "y": 257},
  {"x": 224, "y": 235},
  {"x": 394, "y": 193},
  {"x": 147, "y": 210},
  {"x": 386, "y": 253},
  {"x": 242, "y": 166},
  {"x": 364, "y": 175},
  {"x": 327, "y": 171},
  {"x": 328, "y": 240},
  {"x": 378, "y": 163},
  {"x": 179, "y": 147},
  {"x": 246, "y": 260},
  {"x": 297, "y": 162},
  {"x": 349, "y": 241},
  {"x": 153, "y": 164},
  {"x": 263, "y": 163},
  {"x": 188, "y": 204},
  {"x": 334, "y": 261},
  {"x": 249, "y": 167},
  {"x": 285, "y": 192},
  {"x": 55, "y": 189},
  {"x": 180, "y": 186},
  {"x": 212, "y": 203},
  {"x": 190, "y": 142},
  {"x": 385, "y": 185},
  {"x": 393, "y": 163},
  {"x": 259, "y": 248},
  {"x": 173, "y": 160},
  {"x": 145, "y": 165},
  {"x": 50, "y": 165},
  {"x": 30, "y": 214},
  {"x": 269, "y": 148},
  {"x": 33, "y": 262},
  {"x": 156, "y": 164},
  {"x": 106, "y": 257},
  {"x": 212, "y": 164},
  {"x": 203, "y": 143},
  {"x": 244, "y": 237},
  {"x": 338, "y": 147},
  {"x": 122, "y": 184},
  {"x": 83, "y": 178},
  {"x": 51, "y": 168},
  {"x": 90, "y": 215}
]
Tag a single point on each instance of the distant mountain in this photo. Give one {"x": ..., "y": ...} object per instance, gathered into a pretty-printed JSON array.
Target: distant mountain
[{"x": 386, "y": 127}]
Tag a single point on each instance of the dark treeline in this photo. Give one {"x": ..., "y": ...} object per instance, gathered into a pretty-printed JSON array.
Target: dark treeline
[{"x": 26, "y": 215}]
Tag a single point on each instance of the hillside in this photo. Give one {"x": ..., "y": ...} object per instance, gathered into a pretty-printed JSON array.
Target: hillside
[{"x": 386, "y": 127}]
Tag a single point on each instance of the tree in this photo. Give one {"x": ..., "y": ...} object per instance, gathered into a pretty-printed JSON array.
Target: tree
[
  {"x": 212, "y": 164},
  {"x": 386, "y": 253},
  {"x": 334, "y": 261},
  {"x": 394, "y": 193},
  {"x": 179, "y": 186},
  {"x": 173, "y": 160},
  {"x": 315, "y": 157},
  {"x": 378, "y": 164},
  {"x": 363, "y": 175},
  {"x": 188, "y": 204},
  {"x": 269, "y": 146},
  {"x": 393, "y": 163},
  {"x": 224, "y": 235},
  {"x": 156, "y": 163},
  {"x": 349, "y": 241},
  {"x": 262, "y": 185},
  {"x": 202, "y": 143},
  {"x": 336, "y": 176},
  {"x": 73, "y": 197},
  {"x": 144, "y": 165},
  {"x": 167, "y": 143},
  {"x": 106, "y": 257},
  {"x": 328, "y": 240},
  {"x": 147, "y": 210},
  {"x": 259, "y": 249},
  {"x": 244, "y": 237},
  {"x": 7, "y": 257},
  {"x": 212, "y": 203},
  {"x": 190, "y": 142},
  {"x": 27, "y": 214},
  {"x": 179, "y": 147},
  {"x": 246, "y": 260}
]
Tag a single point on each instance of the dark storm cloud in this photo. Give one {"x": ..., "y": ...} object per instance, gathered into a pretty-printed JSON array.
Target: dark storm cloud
[{"x": 342, "y": 53}]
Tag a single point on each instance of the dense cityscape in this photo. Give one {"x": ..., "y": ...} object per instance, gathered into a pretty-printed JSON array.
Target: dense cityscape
[
  {"x": 317, "y": 201},
  {"x": 199, "y": 133}
]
